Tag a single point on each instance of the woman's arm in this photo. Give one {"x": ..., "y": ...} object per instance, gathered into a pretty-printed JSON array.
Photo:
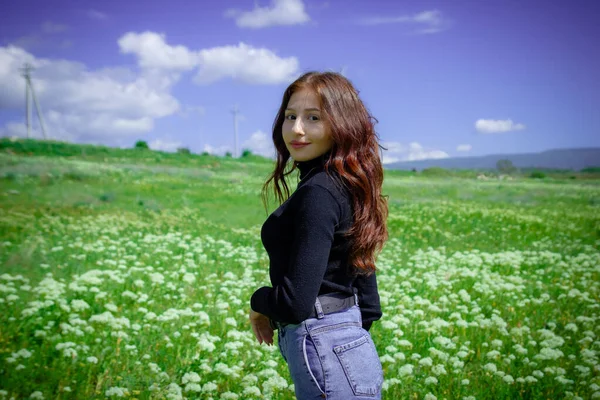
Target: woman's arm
[{"x": 368, "y": 299}]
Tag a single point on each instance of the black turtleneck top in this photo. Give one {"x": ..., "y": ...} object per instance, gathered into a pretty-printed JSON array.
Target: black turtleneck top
[{"x": 308, "y": 252}]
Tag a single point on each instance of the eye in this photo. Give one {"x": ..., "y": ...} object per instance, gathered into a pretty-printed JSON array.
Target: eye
[
  {"x": 314, "y": 117},
  {"x": 290, "y": 117}
]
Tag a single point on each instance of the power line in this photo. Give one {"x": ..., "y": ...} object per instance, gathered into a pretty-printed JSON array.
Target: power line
[{"x": 26, "y": 73}]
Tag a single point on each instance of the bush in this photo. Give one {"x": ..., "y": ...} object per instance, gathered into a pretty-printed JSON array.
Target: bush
[
  {"x": 537, "y": 175},
  {"x": 505, "y": 167},
  {"x": 246, "y": 152},
  {"x": 228, "y": 154},
  {"x": 436, "y": 171},
  {"x": 142, "y": 145},
  {"x": 183, "y": 150},
  {"x": 108, "y": 197},
  {"x": 591, "y": 169}
]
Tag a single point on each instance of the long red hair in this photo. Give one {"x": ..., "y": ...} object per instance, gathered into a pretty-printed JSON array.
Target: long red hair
[{"x": 354, "y": 156}]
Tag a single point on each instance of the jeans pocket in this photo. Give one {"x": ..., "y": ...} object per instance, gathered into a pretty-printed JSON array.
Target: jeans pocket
[
  {"x": 313, "y": 363},
  {"x": 361, "y": 365}
]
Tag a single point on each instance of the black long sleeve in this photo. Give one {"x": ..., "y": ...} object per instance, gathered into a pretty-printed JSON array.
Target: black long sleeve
[
  {"x": 308, "y": 251},
  {"x": 315, "y": 216}
]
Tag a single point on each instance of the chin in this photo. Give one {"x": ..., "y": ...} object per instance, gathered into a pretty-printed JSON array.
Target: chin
[{"x": 301, "y": 158}]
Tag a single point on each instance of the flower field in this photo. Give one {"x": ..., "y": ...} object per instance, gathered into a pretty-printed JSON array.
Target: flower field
[{"x": 133, "y": 281}]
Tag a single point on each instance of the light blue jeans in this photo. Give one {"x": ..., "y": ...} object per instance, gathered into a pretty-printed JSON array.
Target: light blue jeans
[{"x": 332, "y": 357}]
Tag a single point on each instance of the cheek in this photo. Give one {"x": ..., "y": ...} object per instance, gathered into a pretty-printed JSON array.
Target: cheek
[
  {"x": 286, "y": 126},
  {"x": 319, "y": 132}
]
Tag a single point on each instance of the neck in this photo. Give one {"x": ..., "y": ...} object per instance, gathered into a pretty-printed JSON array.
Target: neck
[{"x": 316, "y": 164}]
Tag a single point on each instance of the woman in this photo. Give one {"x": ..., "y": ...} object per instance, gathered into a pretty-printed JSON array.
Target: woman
[{"x": 322, "y": 242}]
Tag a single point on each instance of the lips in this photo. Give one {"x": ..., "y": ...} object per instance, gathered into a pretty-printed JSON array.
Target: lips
[{"x": 298, "y": 145}]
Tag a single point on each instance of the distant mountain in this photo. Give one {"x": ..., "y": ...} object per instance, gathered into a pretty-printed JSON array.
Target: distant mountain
[{"x": 574, "y": 159}]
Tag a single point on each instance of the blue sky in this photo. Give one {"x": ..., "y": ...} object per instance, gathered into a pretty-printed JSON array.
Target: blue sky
[{"x": 443, "y": 78}]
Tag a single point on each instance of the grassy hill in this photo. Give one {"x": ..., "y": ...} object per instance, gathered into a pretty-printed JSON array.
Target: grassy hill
[
  {"x": 555, "y": 160},
  {"x": 128, "y": 273}
]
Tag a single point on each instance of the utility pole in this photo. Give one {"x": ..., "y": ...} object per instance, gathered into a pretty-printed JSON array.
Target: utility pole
[
  {"x": 26, "y": 73},
  {"x": 235, "y": 112}
]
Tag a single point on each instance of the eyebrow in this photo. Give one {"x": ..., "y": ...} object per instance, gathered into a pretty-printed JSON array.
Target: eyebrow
[{"x": 307, "y": 109}]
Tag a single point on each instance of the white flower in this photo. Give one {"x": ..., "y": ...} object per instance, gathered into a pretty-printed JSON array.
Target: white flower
[
  {"x": 571, "y": 327},
  {"x": 189, "y": 278},
  {"x": 116, "y": 391},
  {"x": 387, "y": 358},
  {"x": 24, "y": 353},
  {"x": 193, "y": 387},
  {"x": 190, "y": 377},
  {"x": 252, "y": 391},
  {"x": 426, "y": 362},
  {"x": 79, "y": 305},
  {"x": 548, "y": 353},
  {"x": 439, "y": 369},
  {"x": 209, "y": 387},
  {"x": 406, "y": 369},
  {"x": 431, "y": 380},
  {"x": 490, "y": 367}
]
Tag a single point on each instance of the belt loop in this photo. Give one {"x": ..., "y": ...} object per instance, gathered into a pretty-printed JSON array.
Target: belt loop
[
  {"x": 319, "y": 309},
  {"x": 355, "y": 291}
]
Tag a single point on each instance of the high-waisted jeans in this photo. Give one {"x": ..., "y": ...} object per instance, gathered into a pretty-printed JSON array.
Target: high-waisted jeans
[{"x": 332, "y": 357}]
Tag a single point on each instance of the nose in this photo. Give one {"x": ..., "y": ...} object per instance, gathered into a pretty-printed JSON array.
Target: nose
[{"x": 297, "y": 126}]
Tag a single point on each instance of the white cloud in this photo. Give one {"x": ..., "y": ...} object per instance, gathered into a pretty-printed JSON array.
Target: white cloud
[
  {"x": 464, "y": 147},
  {"x": 110, "y": 104},
  {"x": 425, "y": 22},
  {"x": 51, "y": 27},
  {"x": 497, "y": 126},
  {"x": 28, "y": 41},
  {"x": 218, "y": 151},
  {"x": 97, "y": 15},
  {"x": 260, "y": 143},
  {"x": 152, "y": 51},
  {"x": 78, "y": 103},
  {"x": 165, "y": 145},
  {"x": 411, "y": 152},
  {"x": 245, "y": 64},
  {"x": 281, "y": 12},
  {"x": 43, "y": 37}
]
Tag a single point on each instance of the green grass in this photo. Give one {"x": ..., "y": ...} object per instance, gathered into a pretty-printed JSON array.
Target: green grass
[{"x": 129, "y": 272}]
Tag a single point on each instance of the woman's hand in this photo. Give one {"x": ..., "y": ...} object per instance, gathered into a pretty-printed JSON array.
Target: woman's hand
[{"x": 261, "y": 327}]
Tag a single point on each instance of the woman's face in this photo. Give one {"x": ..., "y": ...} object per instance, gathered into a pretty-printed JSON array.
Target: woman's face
[{"x": 305, "y": 133}]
